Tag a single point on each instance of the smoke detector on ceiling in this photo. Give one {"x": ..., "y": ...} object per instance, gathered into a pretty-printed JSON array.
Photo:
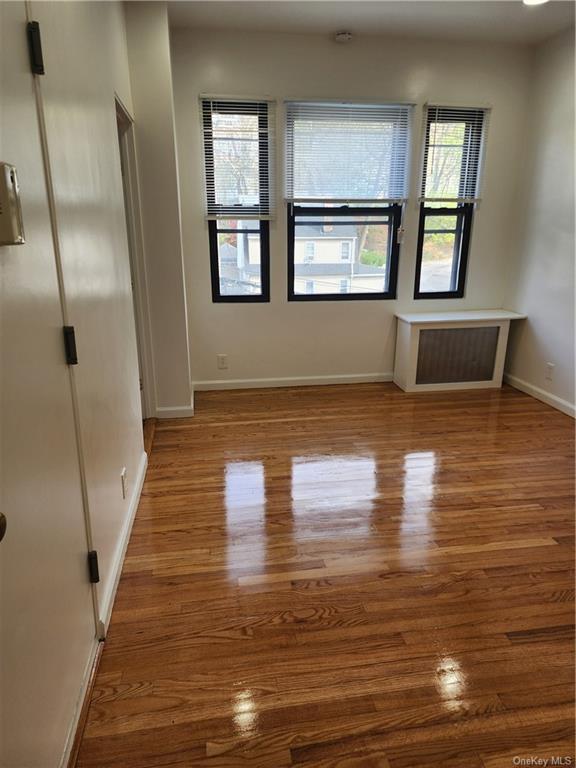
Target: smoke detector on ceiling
[{"x": 343, "y": 37}]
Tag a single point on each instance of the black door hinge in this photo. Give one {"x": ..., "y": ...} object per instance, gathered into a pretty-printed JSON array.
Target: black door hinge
[
  {"x": 93, "y": 567},
  {"x": 70, "y": 345},
  {"x": 35, "y": 48}
]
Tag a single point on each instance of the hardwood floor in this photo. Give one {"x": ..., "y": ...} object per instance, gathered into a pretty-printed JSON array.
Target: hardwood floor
[
  {"x": 149, "y": 428},
  {"x": 346, "y": 577}
]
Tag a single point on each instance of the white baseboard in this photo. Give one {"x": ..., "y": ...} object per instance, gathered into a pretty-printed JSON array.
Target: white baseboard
[
  {"x": 105, "y": 605},
  {"x": 292, "y": 381},
  {"x": 69, "y": 743},
  {"x": 176, "y": 411},
  {"x": 540, "y": 394}
]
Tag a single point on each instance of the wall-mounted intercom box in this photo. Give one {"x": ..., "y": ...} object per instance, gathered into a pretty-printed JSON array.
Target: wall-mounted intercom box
[{"x": 11, "y": 226}]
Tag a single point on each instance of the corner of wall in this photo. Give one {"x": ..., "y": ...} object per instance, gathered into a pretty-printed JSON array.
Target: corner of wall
[
  {"x": 540, "y": 280},
  {"x": 152, "y": 92}
]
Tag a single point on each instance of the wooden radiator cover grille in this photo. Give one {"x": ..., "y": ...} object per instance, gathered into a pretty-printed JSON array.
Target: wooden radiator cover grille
[{"x": 456, "y": 354}]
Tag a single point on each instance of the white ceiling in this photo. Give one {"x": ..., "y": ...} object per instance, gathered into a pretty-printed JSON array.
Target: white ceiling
[{"x": 498, "y": 20}]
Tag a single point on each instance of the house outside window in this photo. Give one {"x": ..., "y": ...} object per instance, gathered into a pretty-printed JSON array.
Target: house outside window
[{"x": 346, "y": 182}]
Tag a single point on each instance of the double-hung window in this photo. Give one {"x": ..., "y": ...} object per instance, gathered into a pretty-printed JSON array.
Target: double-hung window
[
  {"x": 453, "y": 149},
  {"x": 346, "y": 181},
  {"x": 238, "y": 156}
]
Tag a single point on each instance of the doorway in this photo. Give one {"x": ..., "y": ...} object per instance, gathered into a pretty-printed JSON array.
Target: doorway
[{"x": 128, "y": 167}]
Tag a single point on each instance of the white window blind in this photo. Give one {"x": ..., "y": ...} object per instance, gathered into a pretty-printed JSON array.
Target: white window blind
[
  {"x": 347, "y": 152},
  {"x": 453, "y": 149},
  {"x": 238, "y": 158}
]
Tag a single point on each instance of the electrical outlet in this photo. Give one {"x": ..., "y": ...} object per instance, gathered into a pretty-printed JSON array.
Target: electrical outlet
[
  {"x": 549, "y": 371},
  {"x": 123, "y": 481},
  {"x": 222, "y": 362}
]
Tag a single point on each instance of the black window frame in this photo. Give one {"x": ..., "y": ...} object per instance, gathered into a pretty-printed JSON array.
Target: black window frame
[
  {"x": 394, "y": 211},
  {"x": 464, "y": 214},
  {"x": 251, "y": 298},
  {"x": 463, "y": 211},
  {"x": 239, "y": 212}
]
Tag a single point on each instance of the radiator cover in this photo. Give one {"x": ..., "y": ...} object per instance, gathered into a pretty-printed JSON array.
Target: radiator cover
[{"x": 447, "y": 355}]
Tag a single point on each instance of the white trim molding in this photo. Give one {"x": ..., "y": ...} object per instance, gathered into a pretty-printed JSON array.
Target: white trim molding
[
  {"x": 175, "y": 411},
  {"x": 540, "y": 394},
  {"x": 135, "y": 233},
  {"x": 73, "y": 727},
  {"x": 292, "y": 381},
  {"x": 107, "y": 601}
]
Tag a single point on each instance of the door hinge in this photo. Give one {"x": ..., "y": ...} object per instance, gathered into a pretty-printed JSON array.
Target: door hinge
[
  {"x": 35, "y": 48},
  {"x": 400, "y": 235},
  {"x": 70, "y": 345},
  {"x": 93, "y": 567}
]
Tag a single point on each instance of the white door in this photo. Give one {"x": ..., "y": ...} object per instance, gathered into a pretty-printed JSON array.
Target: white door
[
  {"x": 47, "y": 626},
  {"x": 80, "y": 114}
]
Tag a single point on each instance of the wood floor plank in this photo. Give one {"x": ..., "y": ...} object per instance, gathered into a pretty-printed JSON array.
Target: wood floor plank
[
  {"x": 345, "y": 577},
  {"x": 149, "y": 427}
]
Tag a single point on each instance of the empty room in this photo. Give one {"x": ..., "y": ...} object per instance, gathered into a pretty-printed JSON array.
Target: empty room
[{"x": 287, "y": 384}]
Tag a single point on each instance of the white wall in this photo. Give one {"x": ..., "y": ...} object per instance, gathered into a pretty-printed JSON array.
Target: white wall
[
  {"x": 66, "y": 431},
  {"x": 118, "y": 53},
  {"x": 151, "y": 80},
  {"x": 281, "y": 339},
  {"x": 82, "y": 139},
  {"x": 541, "y": 279}
]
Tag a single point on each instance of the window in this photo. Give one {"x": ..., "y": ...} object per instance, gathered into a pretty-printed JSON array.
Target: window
[
  {"x": 453, "y": 148},
  {"x": 310, "y": 251},
  {"x": 346, "y": 176},
  {"x": 238, "y": 156},
  {"x": 309, "y": 286},
  {"x": 371, "y": 234},
  {"x": 238, "y": 270}
]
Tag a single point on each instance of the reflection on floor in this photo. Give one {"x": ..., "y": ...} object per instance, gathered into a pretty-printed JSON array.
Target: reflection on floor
[{"x": 345, "y": 576}]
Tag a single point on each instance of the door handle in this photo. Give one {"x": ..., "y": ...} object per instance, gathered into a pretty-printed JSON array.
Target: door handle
[{"x": 3, "y": 525}]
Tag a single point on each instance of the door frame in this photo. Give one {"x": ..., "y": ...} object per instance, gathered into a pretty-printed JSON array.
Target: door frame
[{"x": 132, "y": 204}]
